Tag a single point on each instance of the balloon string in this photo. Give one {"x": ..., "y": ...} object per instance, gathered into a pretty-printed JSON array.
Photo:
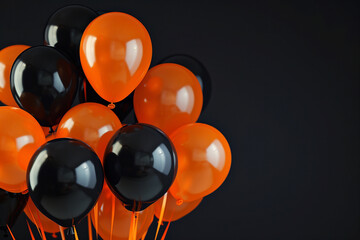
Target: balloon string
[
  {"x": 96, "y": 217},
  {"x": 161, "y": 215},
  {"x": 166, "y": 230},
  {"x": 12, "y": 235},
  {"x": 76, "y": 235},
  {"x": 62, "y": 232},
  {"x": 135, "y": 225},
  {"x": 132, "y": 224},
  {"x": 31, "y": 233},
  {"x": 41, "y": 227},
  {"x": 112, "y": 215},
  {"x": 144, "y": 235},
  {"x": 34, "y": 221},
  {"x": 89, "y": 227}
]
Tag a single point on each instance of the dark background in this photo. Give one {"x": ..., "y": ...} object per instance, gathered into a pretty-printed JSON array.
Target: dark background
[{"x": 286, "y": 95}]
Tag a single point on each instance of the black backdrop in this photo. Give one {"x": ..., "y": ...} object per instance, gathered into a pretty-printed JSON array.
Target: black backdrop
[{"x": 286, "y": 95}]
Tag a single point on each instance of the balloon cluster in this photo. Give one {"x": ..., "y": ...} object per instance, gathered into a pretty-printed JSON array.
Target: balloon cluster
[{"x": 61, "y": 134}]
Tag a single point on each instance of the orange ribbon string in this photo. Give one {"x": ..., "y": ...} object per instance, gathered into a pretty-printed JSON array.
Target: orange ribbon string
[
  {"x": 161, "y": 215},
  {"x": 41, "y": 227},
  {"x": 96, "y": 218},
  {"x": 12, "y": 235},
  {"x": 112, "y": 216},
  {"x": 31, "y": 233},
  {"x": 131, "y": 231},
  {"x": 144, "y": 235},
  {"x": 75, "y": 232},
  {"x": 62, "y": 232},
  {"x": 136, "y": 220},
  {"x": 34, "y": 221},
  {"x": 165, "y": 232},
  {"x": 90, "y": 228}
]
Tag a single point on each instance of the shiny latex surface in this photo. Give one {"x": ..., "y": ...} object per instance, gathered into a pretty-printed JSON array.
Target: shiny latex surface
[
  {"x": 204, "y": 161},
  {"x": 20, "y": 136},
  {"x": 122, "y": 218},
  {"x": 7, "y": 58},
  {"x": 91, "y": 123},
  {"x": 65, "y": 27},
  {"x": 140, "y": 165},
  {"x": 122, "y": 109},
  {"x": 44, "y": 83},
  {"x": 169, "y": 97},
  {"x": 34, "y": 214},
  {"x": 173, "y": 210},
  {"x": 11, "y": 205},
  {"x": 65, "y": 179},
  {"x": 115, "y": 54},
  {"x": 198, "y": 69}
]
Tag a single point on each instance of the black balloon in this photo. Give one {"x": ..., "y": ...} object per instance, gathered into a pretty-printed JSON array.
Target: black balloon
[
  {"x": 140, "y": 165},
  {"x": 11, "y": 205},
  {"x": 124, "y": 109},
  {"x": 198, "y": 69},
  {"x": 44, "y": 83},
  {"x": 65, "y": 178},
  {"x": 65, "y": 27}
]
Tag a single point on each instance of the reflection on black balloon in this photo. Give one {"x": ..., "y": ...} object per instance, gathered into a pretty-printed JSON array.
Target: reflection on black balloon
[
  {"x": 65, "y": 178},
  {"x": 198, "y": 69},
  {"x": 140, "y": 165},
  {"x": 65, "y": 27},
  {"x": 11, "y": 205},
  {"x": 44, "y": 83}
]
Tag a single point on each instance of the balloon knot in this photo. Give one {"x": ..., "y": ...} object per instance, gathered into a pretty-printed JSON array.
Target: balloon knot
[
  {"x": 111, "y": 106},
  {"x": 179, "y": 202},
  {"x": 25, "y": 192}
]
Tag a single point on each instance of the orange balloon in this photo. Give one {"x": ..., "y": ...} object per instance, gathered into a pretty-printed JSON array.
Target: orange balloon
[
  {"x": 20, "y": 136},
  {"x": 8, "y": 56},
  {"x": 173, "y": 209},
  {"x": 115, "y": 53},
  {"x": 91, "y": 123},
  {"x": 204, "y": 160},
  {"x": 169, "y": 97},
  {"x": 37, "y": 217},
  {"x": 122, "y": 219}
]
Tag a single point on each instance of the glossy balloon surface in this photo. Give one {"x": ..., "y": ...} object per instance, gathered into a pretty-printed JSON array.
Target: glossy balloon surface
[
  {"x": 11, "y": 205},
  {"x": 7, "y": 58},
  {"x": 91, "y": 123},
  {"x": 65, "y": 27},
  {"x": 174, "y": 210},
  {"x": 35, "y": 216},
  {"x": 20, "y": 136},
  {"x": 44, "y": 83},
  {"x": 122, "y": 218},
  {"x": 140, "y": 165},
  {"x": 198, "y": 69},
  {"x": 169, "y": 97},
  {"x": 115, "y": 54},
  {"x": 204, "y": 161},
  {"x": 65, "y": 179}
]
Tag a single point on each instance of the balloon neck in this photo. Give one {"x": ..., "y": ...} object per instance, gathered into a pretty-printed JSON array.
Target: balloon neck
[
  {"x": 51, "y": 130},
  {"x": 179, "y": 202},
  {"x": 25, "y": 192},
  {"x": 111, "y": 105},
  {"x": 54, "y": 235}
]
